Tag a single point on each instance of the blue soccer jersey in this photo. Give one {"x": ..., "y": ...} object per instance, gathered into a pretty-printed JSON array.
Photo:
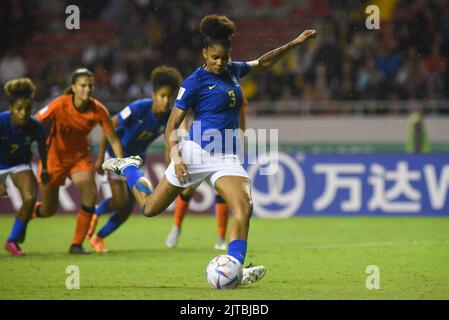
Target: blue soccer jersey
[
  {"x": 138, "y": 127},
  {"x": 15, "y": 142},
  {"x": 216, "y": 101}
]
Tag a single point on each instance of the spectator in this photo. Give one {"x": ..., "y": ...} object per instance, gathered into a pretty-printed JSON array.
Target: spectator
[
  {"x": 417, "y": 137},
  {"x": 346, "y": 62},
  {"x": 12, "y": 66}
]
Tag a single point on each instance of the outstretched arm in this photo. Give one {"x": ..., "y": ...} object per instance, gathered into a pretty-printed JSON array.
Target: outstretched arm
[{"x": 270, "y": 58}]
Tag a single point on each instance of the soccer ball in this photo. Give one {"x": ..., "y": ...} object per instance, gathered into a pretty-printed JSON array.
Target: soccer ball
[{"x": 224, "y": 272}]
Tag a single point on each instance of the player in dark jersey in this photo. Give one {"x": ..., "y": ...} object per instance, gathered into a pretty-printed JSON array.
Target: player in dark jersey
[
  {"x": 213, "y": 92},
  {"x": 137, "y": 126},
  {"x": 18, "y": 130}
]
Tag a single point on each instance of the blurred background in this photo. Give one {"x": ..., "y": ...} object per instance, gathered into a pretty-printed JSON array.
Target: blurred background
[
  {"x": 349, "y": 91},
  {"x": 347, "y": 71},
  {"x": 122, "y": 41}
]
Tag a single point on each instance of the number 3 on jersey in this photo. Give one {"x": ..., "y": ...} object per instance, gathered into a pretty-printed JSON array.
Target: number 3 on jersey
[{"x": 231, "y": 93}]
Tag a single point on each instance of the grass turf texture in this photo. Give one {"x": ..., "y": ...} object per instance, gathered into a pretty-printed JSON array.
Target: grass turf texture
[{"x": 306, "y": 258}]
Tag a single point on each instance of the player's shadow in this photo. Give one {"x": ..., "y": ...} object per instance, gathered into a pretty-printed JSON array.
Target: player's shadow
[
  {"x": 112, "y": 252},
  {"x": 157, "y": 250}
]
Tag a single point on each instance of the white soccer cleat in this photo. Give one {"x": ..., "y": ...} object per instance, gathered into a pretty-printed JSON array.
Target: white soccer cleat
[
  {"x": 172, "y": 238},
  {"x": 117, "y": 165},
  {"x": 221, "y": 245},
  {"x": 252, "y": 274}
]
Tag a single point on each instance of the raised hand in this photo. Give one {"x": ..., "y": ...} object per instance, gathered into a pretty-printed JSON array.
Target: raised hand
[
  {"x": 305, "y": 35},
  {"x": 182, "y": 173}
]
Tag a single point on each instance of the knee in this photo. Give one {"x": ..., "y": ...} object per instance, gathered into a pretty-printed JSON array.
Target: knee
[
  {"x": 29, "y": 200},
  {"x": 93, "y": 195},
  {"x": 149, "y": 210},
  {"x": 248, "y": 207},
  {"x": 148, "y": 213},
  {"x": 90, "y": 197},
  {"x": 244, "y": 209},
  {"x": 48, "y": 210}
]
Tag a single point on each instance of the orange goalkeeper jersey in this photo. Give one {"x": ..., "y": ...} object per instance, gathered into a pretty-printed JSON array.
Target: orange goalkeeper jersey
[{"x": 69, "y": 128}]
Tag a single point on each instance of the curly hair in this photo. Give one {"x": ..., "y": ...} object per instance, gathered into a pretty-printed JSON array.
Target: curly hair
[
  {"x": 165, "y": 76},
  {"x": 217, "y": 30},
  {"x": 22, "y": 88}
]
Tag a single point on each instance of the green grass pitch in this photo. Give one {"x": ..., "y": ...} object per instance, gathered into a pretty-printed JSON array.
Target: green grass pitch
[{"x": 306, "y": 258}]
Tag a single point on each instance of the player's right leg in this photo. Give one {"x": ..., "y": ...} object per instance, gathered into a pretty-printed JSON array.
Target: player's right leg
[
  {"x": 49, "y": 200},
  {"x": 49, "y": 192},
  {"x": 25, "y": 182},
  {"x": 151, "y": 202},
  {"x": 129, "y": 168},
  {"x": 85, "y": 182}
]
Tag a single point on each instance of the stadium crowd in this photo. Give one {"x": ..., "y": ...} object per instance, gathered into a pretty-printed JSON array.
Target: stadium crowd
[{"x": 347, "y": 62}]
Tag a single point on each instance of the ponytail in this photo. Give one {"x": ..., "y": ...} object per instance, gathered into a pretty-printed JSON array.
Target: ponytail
[{"x": 81, "y": 72}]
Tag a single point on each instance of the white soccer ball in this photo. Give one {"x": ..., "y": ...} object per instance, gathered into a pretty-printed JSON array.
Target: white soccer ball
[{"x": 224, "y": 272}]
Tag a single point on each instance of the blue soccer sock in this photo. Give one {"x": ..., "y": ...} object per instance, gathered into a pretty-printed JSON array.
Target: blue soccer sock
[
  {"x": 103, "y": 207},
  {"x": 113, "y": 223},
  {"x": 237, "y": 249},
  {"x": 132, "y": 174},
  {"x": 143, "y": 188},
  {"x": 18, "y": 231}
]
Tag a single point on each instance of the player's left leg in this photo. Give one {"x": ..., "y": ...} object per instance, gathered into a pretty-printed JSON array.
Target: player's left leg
[
  {"x": 85, "y": 182},
  {"x": 117, "y": 218},
  {"x": 25, "y": 182},
  {"x": 120, "y": 196},
  {"x": 236, "y": 191},
  {"x": 151, "y": 202},
  {"x": 118, "y": 201}
]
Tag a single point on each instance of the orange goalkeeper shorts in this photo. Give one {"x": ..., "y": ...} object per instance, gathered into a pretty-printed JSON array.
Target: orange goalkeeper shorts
[{"x": 59, "y": 173}]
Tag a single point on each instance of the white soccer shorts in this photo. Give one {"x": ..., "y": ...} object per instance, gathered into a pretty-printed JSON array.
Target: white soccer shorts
[
  {"x": 202, "y": 165},
  {"x": 5, "y": 172}
]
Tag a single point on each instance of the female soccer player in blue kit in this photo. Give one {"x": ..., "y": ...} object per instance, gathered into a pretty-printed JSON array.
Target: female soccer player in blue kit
[
  {"x": 213, "y": 93},
  {"x": 17, "y": 132},
  {"x": 221, "y": 207},
  {"x": 137, "y": 126}
]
